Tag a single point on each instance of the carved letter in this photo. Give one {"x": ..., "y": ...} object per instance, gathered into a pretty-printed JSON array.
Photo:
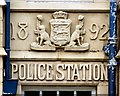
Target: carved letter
[
  {"x": 68, "y": 67},
  {"x": 104, "y": 72},
  {"x": 75, "y": 73},
  {"x": 84, "y": 70},
  {"x": 96, "y": 72},
  {"x": 22, "y": 71},
  {"x": 40, "y": 75},
  {"x": 49, "y": 72},
  {"x": 29, "y": 72},
  {"x": 35, "y": 71},
  {"x": 60, "y": 72},
  {"x": 90, "y": 72},
  {"x": 14, "y": 70}
]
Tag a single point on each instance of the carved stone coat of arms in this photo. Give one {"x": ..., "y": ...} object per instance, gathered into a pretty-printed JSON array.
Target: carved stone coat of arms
[
  {"x": 60, "y": 34},
  {"x": 60, "y": 28}
]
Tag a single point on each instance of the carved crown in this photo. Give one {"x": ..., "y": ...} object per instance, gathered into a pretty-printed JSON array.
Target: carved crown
[{"x": 60, "y": 14}]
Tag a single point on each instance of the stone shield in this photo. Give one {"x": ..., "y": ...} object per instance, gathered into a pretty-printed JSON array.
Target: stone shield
[{"x": 60, "y": 31}]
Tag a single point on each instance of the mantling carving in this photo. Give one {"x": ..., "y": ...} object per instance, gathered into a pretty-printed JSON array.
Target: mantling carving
[
  {"x": 42, "y": 39},
  {"x": 77, "y": 39}
]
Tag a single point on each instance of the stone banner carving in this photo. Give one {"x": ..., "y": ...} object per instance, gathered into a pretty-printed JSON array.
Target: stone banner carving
[{"x": 60, "y": 34}]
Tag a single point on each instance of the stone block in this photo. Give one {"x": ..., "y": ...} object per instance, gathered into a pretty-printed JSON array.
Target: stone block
[
  {"x": 1, "y": 89},
  {"x": 102, "y": 89},
  {"x": 1, "y": 12},
  {"x": 1, "y": 26},
  {"x": 1, "y": 40},
  {"x": 1, "y": 75},
  {"x": 1, "y": 62},
  {"x": 19, "y": 89},
  {"x": 101, "y": 1},
  {"x": 1, "y": 70}
]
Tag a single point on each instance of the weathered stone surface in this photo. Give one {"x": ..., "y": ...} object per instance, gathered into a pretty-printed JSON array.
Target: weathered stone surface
[
  {"x": 56, "y": 72},
  {"x": 80, "y": 48},
  {"x": 2, "y": 51},
  {"x": 86, "y": 48},
  {"x": 98, "y": 18},
  {"x": 96, "y": 6}
]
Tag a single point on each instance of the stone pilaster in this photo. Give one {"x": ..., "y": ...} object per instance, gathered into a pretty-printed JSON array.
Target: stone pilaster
[{"x": 2, "y": 51}]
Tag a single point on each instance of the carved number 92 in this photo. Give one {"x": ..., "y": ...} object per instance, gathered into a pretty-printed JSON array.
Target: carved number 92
[{"x": 95, "y": 29}]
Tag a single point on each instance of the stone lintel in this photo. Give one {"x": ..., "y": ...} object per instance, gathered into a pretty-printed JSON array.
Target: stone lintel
[
  {"x": 53, "y": 6},
  {"x": 63, "y": 56}
]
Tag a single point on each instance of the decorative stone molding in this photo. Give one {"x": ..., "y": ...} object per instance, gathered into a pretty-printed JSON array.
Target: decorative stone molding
[{"x": 59, "y": 0}]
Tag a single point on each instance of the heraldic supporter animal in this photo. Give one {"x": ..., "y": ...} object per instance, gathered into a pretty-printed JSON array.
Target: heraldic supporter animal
[
  {"x": 43, "y": 37},
  {"x": 77, "y": 37}
]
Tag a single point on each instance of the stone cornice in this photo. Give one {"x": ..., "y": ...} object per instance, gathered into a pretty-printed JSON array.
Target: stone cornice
[{"x": 53, "y": 6}]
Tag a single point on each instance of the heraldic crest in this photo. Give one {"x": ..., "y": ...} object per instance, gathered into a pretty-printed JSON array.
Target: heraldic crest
[{"x": 60, "y": 36}]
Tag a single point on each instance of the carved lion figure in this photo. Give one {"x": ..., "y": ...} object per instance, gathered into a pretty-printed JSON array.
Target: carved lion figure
[
  {"x": 43, "y": 37},
  {"x": 76, "y": 37}
]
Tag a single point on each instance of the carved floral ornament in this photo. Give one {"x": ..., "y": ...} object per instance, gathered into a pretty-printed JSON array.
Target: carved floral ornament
[{"x": 60, "y": 34}]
